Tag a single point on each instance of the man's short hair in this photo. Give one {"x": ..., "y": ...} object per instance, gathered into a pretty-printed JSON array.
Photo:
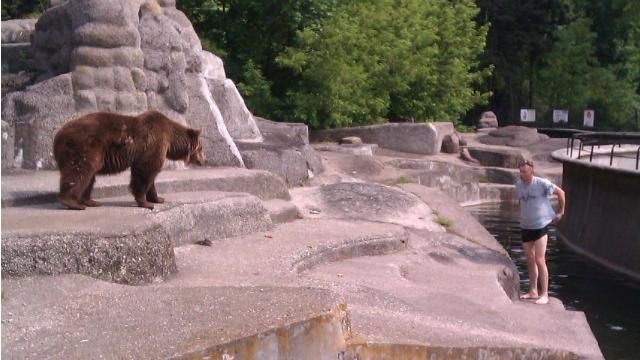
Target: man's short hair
[{"x": 526, "y": 162}]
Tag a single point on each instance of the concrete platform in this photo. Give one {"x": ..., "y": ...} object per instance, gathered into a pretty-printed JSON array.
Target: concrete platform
[
  {"x": 374, "y": 284},
  {"x": 24, "y": 187},
  {"x": 121, "y": 242},
  {"x": 73, "y": 317}
]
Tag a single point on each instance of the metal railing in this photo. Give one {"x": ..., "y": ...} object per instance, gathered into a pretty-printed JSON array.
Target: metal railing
[{"x": 598, "y": 139}]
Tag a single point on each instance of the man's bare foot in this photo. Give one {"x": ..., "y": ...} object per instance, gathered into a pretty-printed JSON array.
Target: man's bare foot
[
  {"x": 543, "y": 300},
  {"x": 529, "y": 296}
]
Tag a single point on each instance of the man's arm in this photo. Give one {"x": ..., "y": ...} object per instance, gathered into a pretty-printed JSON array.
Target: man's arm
[{"x": 561, "y": 202}]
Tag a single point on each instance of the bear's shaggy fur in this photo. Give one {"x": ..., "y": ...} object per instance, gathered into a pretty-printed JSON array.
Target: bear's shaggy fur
[{"x": 108, "y": 143}]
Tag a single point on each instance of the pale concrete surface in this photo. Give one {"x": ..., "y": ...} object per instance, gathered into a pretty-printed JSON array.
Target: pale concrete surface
[
  {"x": 281, "y": 211},
  {"x": 20, "y": 187},
  {"x": 73, "y": 317},
  {"x": 410, "y": 282},
  {"x": 121, "y": 242}
]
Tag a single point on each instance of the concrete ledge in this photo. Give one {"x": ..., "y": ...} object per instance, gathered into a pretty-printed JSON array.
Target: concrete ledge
[
  {"x": 604, "y": 205},
  {"x": 467, "y": 227},
  {"x": 353, "y": 149},
  {"x": 321, "y": 337},
  {"x": 24, "y": 187},
  {"x": 373, "y": 351},
  {"x": 282, "y": 211},
  {"x": 70, "y": 318},
  {"x": 503, "y": 157},
  {"x": 419, "y": 138},
  {"x": 132, "y": 256},
  {"x": 367, "y": 246},
  {"x": 120, "y": 242}
]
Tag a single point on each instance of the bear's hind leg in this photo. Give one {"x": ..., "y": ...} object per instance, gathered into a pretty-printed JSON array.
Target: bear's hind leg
[
  {"x": 152, "y": 195},
  {"x": 86, "y": 196},
  {"x": 71, "y": 189}
]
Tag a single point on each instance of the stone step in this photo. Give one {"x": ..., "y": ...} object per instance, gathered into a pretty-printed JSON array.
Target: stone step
[
  {"x": 72, "y": 317},
  {"x": 24, "y": 187},
  {"x": 282, "y": 211},
  {"x": 119, "y": 241}
]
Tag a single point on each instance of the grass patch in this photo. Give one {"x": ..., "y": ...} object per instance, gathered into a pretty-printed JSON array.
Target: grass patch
[
  {"x": 444, "y": 221},
  {"x": 404, "y": 179}
]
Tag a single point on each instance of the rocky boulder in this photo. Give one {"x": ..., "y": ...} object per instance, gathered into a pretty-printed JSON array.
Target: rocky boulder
[
  {"x": 451, "y": 144},
  {"x": 488, "y": 119},
  {"x": 516, "y": 136},
  {"x": 18, "y": 30},
  {"x": 285, "y": 151},
  {"x": 419, "y": 138},
  {"x": 365, "y": 201}
]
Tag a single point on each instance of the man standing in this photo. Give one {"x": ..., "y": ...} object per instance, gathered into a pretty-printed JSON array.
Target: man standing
[{"x": 536, "y": 214}]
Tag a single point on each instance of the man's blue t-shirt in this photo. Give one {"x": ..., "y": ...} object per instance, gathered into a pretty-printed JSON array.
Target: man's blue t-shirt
[{"x": 535, "y": 209}]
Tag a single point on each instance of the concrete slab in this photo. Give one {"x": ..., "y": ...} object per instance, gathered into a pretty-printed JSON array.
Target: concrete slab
[
  {"x": 445, "y": 294},
  {"x": 282, "y": 211},
  {"x": 74, "y": 317},
  {"x": 121, "y": 242},
  {"x": 273, "y": 293},
  {"x": 365, "y": 201},
  {"x": 23, "y": 187}
]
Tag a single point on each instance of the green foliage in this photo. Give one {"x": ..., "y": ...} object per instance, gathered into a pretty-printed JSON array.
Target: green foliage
[
  {"x": 18, "y": 9},
  {"x": 444, "y": 221},
  {"x": 382, "y": 59},
  {"x": 573, "y": 78},
  {"x": 573, "y": 54},
  {"x": 257, "y": 90},
  {"x": 404, "y": 179},
  {"x": 465, "y": 128}
]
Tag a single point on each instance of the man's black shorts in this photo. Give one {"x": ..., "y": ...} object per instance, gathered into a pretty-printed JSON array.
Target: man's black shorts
[{"x": 533, "y": 234}]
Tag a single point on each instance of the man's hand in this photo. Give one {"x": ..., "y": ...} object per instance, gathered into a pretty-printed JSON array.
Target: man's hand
[
  {"x": 561, "y": 201},
  {"x": 558, "y": 217}
]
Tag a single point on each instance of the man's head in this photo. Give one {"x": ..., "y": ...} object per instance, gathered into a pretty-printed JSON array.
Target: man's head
[{"x": 526, "y": 171}]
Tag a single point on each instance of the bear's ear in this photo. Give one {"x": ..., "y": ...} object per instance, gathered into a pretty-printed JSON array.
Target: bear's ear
[{"x": 195, "y": 132}]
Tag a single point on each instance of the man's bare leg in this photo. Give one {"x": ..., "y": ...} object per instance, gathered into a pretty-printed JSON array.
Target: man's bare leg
[
  {"x": 530, "y": 252},
  {"x": 540, "y": 251}
]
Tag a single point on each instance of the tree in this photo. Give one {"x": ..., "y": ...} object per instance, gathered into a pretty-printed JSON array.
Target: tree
[
  {"x": 588, "y": 67},
  {"x": 373, "y": 60},
  {"x": 520, "y": 36},
  {"x": 248, "y": 35},
  {"x": 16, "y": 9}
]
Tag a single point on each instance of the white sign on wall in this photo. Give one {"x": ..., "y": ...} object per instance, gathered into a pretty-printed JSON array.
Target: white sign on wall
[
  {"x": 589, "y": 118},
  {"x": 527, "y": 115},
  {"x": 560, "y": 116}
]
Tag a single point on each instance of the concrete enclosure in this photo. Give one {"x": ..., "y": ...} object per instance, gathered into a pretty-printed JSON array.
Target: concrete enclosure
[{"x": 602, "y": 219}]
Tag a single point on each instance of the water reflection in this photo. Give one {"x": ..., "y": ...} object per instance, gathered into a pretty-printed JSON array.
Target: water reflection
[{"x": 610, "y": 301}]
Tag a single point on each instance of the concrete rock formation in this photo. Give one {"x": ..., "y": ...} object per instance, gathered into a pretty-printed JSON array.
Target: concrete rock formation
[
  {"x": 488, "y": 119},
  {"x": 419, "y": 138},
  {"x": 451, "y": 144},
  {"x": 513, "y": 136},
  {"x": 124, "y": 56}
]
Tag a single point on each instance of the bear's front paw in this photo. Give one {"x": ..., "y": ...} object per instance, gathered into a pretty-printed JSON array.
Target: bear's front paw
[
  {"x": 72, "y": 204},
  {"x": 91, "y": 203},
  {"x": 156, "y": 200}
]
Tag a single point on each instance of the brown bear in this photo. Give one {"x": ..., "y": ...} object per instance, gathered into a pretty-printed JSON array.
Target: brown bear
[{"x": 108, "y": 143}]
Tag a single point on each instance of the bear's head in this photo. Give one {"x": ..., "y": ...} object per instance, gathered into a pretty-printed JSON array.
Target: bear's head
[{"x": 196, "y": 152}]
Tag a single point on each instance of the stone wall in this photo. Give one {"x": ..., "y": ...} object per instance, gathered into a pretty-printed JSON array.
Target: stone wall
[
  {"x": 419, "y": 138},
  {"x": 602, "y": 219}
]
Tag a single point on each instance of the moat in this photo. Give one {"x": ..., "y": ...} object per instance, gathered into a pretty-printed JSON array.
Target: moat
[{"x": 609, "y": 300}]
